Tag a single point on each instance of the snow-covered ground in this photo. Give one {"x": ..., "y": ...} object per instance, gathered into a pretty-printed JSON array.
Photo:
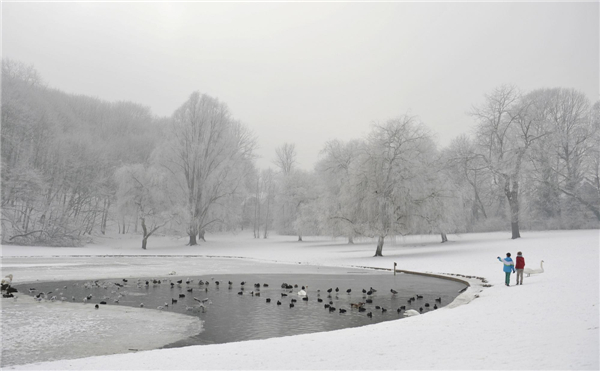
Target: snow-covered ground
[{"x": 550, "y": 322}]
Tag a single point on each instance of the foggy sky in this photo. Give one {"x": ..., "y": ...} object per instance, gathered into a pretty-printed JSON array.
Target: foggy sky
[{"x": 306, "y": 73}]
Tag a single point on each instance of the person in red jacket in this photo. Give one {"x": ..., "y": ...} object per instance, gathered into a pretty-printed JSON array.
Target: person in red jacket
[{"x": 519, "y": 267}]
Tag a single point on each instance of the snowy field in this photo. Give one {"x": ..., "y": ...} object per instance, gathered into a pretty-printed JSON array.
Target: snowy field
[{"x": 550, "y": 322}]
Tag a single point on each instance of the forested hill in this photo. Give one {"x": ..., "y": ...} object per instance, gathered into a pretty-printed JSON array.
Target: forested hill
[
  {"x": 74, "y": 166},
  {"x": 59, "y": 155}
]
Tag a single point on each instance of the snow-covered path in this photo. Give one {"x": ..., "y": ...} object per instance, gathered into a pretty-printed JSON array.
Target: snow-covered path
[{"x": 550, "y": 322}]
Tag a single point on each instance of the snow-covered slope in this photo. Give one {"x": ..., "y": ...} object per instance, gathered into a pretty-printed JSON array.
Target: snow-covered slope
[{"x": 550, "y": 322}]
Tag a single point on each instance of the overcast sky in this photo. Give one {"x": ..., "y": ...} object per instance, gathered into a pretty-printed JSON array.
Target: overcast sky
[{"x": 306, "y": 73}]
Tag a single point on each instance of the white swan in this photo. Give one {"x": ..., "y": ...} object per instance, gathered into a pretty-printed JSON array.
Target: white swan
[
  {"x": 530, "y": 271},
  {"x": 411, "y": 312},
  {"x": 302, "y": 292},
  {"x": 7, "y": 280}
]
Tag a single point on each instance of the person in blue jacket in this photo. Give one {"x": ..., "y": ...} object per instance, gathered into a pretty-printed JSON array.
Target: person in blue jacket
[{"x": 509, "y": 266}]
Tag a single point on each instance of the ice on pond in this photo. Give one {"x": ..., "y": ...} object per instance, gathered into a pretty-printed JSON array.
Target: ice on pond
[{"x": 36, "y": 332}]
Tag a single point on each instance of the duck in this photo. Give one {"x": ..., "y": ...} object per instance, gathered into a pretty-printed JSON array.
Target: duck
[
  {"x": 439, "y": 300},
  {"x": 530, "y": 271},
  {"x": 305, "y": 298},
  {"x": 268, "y": 300},
  {"x": 342, "y": 310},
  {"x": 278, "y": 302},
  {"x": 435, "y": 306},
  {"x": 291, "y": 305},
  {"x": 394, "y": 292},
  {"x": 370, "y": 314},
  {"x": 349, "y": 291}
]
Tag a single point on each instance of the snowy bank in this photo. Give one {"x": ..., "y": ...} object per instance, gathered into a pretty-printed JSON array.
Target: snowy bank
[{"x": 550, "y": 322}]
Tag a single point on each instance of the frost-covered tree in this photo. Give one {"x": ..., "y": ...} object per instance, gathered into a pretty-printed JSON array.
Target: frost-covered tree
[
  {"x": 335, "y": 172},
  {"x": 208, "y": 155},
  {"x": 142, "y": 191},
  {"x": 506, "y": 129},
  {"x": 564, "y": 161},
  {"x": 294, "y": 190},
  {"x": 285, "y": 158},
  {"x": 467, "y": 174},
  {"x": 393, "y": 181}
]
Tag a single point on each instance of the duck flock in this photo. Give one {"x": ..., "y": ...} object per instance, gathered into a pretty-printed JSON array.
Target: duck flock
[{"x": 187, "y": 293}]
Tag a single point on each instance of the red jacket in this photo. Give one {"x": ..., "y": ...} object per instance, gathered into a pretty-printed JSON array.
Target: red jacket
[{"x": 520, "y": 262}]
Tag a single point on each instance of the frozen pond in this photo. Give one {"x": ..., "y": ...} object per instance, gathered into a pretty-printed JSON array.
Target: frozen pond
[{"x": 233, "y": 313}]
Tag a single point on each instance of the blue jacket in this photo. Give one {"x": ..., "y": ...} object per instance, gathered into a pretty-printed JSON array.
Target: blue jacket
[{"x": 509, "y": 265}]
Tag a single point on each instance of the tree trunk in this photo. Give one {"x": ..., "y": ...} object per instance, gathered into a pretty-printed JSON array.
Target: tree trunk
[
  {"x": 145, "y": 238},
  {"x": 104, "y": 216},
  {"x": 513, "y": 201},
  {"x": 267, "y": 217},
  {"x": 444, "y": 238},
  {"x": 350, "y": 241},
  {"x": 201, "y": 235},
  {"x": 379, "y": 250},
  {"x": 193, "y": 232},
  {"x": 299, "y": 238}
]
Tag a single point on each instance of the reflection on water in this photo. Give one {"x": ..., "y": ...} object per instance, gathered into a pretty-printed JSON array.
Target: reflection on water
[{"x": 230, "y": 316}]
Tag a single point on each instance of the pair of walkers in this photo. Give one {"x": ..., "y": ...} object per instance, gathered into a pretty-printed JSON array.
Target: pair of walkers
[{"x": 509, "y": 266}]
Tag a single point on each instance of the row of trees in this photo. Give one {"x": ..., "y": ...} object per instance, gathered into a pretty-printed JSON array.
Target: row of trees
[
  {"x": 534, "y": 159},
  {"x": 74, "y": 166}
]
